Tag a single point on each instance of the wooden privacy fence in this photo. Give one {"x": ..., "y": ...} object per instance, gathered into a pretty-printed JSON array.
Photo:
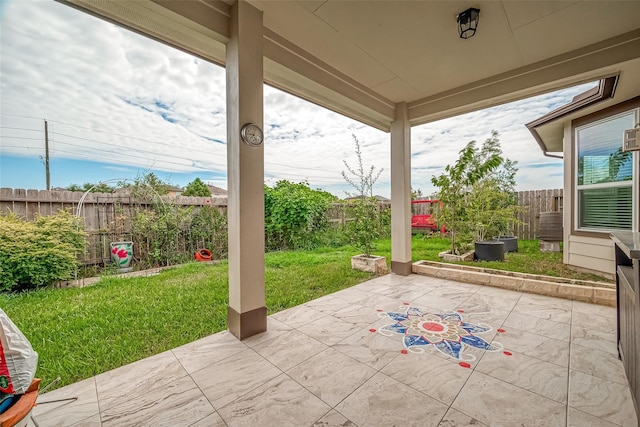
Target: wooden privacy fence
[
  {"x": 531, "y": 204},
  {"x": 338, "y": 213},
  {"x": 107, "y": 216}
]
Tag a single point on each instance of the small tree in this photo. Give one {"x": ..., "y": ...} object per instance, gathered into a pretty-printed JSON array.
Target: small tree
[
  {"x": 197, "y": 188},
  {"x": 364, "y": 227},
  {"x": 456, "y": 187}
]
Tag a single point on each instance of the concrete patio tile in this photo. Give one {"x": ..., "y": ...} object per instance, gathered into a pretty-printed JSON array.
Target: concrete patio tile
[
  {"x": 535, "y": 375},
  {"x": 289, "y": 349},
  {"x": 598, "y": 363},
  {"x": 298, "y": 316},
  {"x": 404, "y": 294},
  {"x": 383, "y": 401},
  {"x": 206, "y": 351},
  {"x": 542, "y": 312},
  {"x": 331, "y": 375},
  {"x": 596, "y": 322},
  {"x": 534, "y": 345},
  {"x": 594, "y": 309},
  {"x": 482, "y": 313},
  {"x": 597, "y": 340},
  {"x": 328, "y": 304},
  {"x": 352, "y": 295},
  {"x": 274, "y": 328},
  {"x": 602, "y": 399},
  {"x": 394, "y": 279},
  {"x": 535, "y": 325},
  {"x": 136, "y": 379},
  {"x": 497, "y": 403},
  {"x": 227, "y": 380},
  {"x": 213, "y": 420},
  {"x": 333, "y": 419},
  {"x": 179, "y": 402},
  {"x": 371, "y": 348},
  {"x": 329, "y": 330},
  {"x": 428, "y": 300},
  {"x": 494, "y": 301},
  {"x": 452, "y": 293},
  {"x": 420, "y": 282},
  {"x": 71, "y": 412},
  {"x": 577, "y": 418},
  {"x": 380, "y": 302},
  {"x": 280, "y": 402},
  {"x": 436, "y": 376},
  {"x": 89, "y": 422},
  {"x": 500, "y": 293},
  {"x": 455, "y": 418},
  {"x": 358, "y": 315},
  {"x": 543, "y": 300}
]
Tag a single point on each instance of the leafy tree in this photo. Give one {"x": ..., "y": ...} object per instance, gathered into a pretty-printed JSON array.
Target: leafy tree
[
  {"x": 466, "y": 188},
  {"x": 100, "y": 187},
  {"x": 365, "y": 227},
  {"x": 197, "y": 188},
  {"x": 147, "y": 187},
  {"x": 294, "y": 213}
]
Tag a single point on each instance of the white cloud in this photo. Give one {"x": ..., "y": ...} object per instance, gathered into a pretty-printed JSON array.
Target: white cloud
[{"x": 114, "y": 96}]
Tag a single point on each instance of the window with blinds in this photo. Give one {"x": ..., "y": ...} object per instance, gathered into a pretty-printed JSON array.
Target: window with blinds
[{"x": 605, "y": 175}]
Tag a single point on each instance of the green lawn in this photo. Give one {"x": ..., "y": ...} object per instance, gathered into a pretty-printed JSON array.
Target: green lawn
[{"x": 80, "y": 332}]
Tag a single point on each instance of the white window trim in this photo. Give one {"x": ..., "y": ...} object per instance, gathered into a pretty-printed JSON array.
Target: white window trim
[{"x": 634, "y": 183}]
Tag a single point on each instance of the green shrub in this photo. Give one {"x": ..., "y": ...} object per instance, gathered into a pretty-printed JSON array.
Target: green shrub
[
  {"x": 160, "y": 234},
  {"x": 295, "y": 215},
  {"x": 209, "y": 230},
  {"x": 171, "y": 234},
  {"x": 41, "y": 252}
]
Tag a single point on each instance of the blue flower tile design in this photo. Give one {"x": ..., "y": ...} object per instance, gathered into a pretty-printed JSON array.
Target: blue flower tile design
[{"x": 448, "y": 333}]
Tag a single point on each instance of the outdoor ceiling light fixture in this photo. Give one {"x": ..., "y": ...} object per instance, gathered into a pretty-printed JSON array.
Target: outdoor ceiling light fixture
[{"x": 468, "y": 22}]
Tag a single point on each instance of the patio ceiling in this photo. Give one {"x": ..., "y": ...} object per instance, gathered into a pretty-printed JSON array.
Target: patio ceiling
[{"x": 360, "y": 58}]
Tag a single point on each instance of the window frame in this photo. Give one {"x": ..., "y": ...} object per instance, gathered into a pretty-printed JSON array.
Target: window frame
[{"x": 633, "y": 183}]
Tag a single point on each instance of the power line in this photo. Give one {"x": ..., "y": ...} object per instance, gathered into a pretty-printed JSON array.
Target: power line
[
  {"x": 186, "y": 160},
  {"x": 24, "y": 117},
  {"x": 146, "y": 140},
  {"x": 27, "y": 130},
  {"x": 21, "y": 137}
]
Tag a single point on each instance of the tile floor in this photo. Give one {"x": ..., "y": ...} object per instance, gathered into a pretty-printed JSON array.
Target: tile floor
[{"x": 358, "y": 357}]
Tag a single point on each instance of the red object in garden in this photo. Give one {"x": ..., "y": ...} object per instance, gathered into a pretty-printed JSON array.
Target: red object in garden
[
  {"x": 203, "y": 255},
  {"x": 426, "y": 221}
]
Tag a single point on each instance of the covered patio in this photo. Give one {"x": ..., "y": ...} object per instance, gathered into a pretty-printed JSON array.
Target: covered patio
[
  {"x": 507, "y": 359},
  {"x": 341, "y": 360},
  {"x": 389, "y": 64}
]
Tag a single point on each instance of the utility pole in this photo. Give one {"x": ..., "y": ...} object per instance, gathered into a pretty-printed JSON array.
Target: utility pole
[{"x": 46, "y": 154}]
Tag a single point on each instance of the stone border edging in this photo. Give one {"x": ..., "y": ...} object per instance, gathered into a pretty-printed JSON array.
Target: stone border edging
[{"x": 587, "y": 291}]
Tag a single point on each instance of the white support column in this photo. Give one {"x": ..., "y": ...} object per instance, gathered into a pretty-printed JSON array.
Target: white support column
[
  {"x": 401, "y": 192},
  {"x": 247, "y": 314}
]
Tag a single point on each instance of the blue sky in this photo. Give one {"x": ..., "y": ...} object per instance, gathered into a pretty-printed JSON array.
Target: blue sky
[{"x": 119, "y": 105}]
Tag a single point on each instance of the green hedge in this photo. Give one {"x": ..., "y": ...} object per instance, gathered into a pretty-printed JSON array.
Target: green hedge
[{"x": 38, "y": 253}]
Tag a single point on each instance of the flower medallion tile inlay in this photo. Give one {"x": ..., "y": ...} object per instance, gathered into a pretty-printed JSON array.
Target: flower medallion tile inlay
[{"x": 448, "y": 332}]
